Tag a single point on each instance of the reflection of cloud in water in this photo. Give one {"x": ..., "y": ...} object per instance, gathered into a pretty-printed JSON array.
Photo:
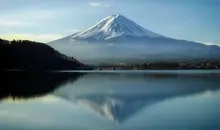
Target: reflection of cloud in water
[
  {"x": 35, "y": 113},
  {"x": 43, "y": 99},
  {"x": 49, "y": 99},
  {"x": 207, "y": 94}
]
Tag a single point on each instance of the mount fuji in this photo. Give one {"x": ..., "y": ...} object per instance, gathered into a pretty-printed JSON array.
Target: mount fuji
[{"x": 117, "y": 39}]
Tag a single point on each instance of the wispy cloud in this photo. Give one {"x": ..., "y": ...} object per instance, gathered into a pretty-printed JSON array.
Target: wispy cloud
[
  {"x": 27, "y": 21},
  {"x": 34, "y": 37},
  {"x": 95, "y": 4},
  {"x": 25, "y": 18},
  {"x": 15, "y": 23},
  {"x": 207, "y": 43},
  {"x": 98, "y": 4}
]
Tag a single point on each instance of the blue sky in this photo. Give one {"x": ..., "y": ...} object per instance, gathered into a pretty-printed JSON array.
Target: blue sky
[{"x": 46, "y": 20}]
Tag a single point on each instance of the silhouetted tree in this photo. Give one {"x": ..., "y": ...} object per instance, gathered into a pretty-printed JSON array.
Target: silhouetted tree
[{"x": 30, "y": 55}]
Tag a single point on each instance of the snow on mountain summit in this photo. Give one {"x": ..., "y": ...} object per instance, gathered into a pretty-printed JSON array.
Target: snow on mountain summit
[
  {"x": 116, "y": 39},
  {"x": 114, "y": 26}
]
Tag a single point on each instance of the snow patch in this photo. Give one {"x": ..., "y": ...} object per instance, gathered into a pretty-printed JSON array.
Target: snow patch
[{"x": 114, "y": 26}]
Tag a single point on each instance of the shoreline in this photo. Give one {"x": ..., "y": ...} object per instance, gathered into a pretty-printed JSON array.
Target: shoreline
[{"x": 191, "y": 71}]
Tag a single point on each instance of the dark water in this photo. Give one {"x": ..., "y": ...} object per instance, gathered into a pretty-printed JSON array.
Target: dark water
[{"x": 135, "y": 100}]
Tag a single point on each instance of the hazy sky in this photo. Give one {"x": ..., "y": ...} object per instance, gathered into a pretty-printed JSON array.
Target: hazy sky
[{"x": 46, "y": 20}]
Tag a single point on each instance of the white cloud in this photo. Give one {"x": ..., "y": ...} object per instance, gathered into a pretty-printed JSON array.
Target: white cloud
[
  {"x": 14, "y": 23},
  {"x": 207, "y": 43},
  {"x": 25, "y": 18},
  {"x": 95, "y": 4},
  {"x": 98, "y": 4},
  {"x": 33, "y": 37}
]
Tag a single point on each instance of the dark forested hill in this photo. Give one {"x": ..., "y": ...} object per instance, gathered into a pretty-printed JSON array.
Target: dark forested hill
[{"x": 29, "y": 55}]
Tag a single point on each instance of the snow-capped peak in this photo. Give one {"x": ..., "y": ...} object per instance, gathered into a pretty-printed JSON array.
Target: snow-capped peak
[{"x": 114, "y": 26}]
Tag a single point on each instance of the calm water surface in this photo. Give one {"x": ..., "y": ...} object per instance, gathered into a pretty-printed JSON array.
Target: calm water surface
[{"x": 122, "y": 100}]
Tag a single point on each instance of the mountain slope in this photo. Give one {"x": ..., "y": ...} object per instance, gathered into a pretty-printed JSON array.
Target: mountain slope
[
  {"x": 33, "y": 56},
  {"x": 117, "y": 39},
  {"x": 112, "y": 27}
]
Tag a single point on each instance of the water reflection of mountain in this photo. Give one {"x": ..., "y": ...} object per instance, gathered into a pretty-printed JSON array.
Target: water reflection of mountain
[
  {"x": 120, "y": 96},
  {"x": 31, "y": 84}
]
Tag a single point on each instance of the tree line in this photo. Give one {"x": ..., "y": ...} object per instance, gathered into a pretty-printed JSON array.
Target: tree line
[{"x": 30, "y": 55}]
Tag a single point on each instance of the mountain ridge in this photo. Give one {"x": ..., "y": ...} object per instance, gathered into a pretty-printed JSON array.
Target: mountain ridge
[
  {"x": 117, "y": 37},
  {"x": 114, "y": 26}
]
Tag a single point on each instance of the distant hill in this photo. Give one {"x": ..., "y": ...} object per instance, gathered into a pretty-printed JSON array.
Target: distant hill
[{"x": 30, "y": 55}]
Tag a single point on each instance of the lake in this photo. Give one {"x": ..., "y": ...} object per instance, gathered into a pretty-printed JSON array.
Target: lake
[{"x": 111, "y": 100}]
